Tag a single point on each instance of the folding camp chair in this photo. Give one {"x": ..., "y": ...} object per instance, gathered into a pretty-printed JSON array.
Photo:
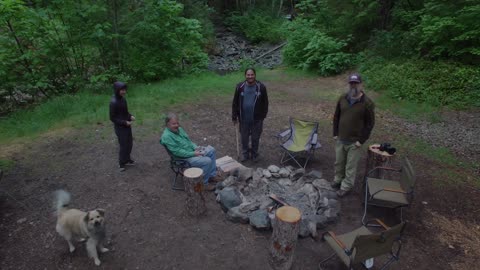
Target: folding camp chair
[
  {"x": 301, "y": 141},
  {"x": 361, "y": 245},
  {"x": 177, "y": 166},
  {"x": 390, "y": 193}
]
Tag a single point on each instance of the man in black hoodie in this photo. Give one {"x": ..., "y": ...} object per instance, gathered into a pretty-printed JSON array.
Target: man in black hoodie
[
  {"x": 122, "y": 122},
  {"x": 250, "y": 107}
]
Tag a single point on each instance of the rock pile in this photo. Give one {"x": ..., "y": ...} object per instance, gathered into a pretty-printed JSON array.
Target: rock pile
[
  {"x": 231, "y": 50},
  {"x": 245, "y": 197}
]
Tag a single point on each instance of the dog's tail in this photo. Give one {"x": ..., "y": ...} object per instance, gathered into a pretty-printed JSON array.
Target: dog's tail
[{"x": 62, "y": 200}]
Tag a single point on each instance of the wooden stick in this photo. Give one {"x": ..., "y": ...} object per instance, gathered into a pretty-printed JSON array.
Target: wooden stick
[{"x": 278, "y": 200}]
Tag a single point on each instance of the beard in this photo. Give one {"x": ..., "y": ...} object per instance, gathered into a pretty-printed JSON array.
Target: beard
[{"x": 353, "y": 92}]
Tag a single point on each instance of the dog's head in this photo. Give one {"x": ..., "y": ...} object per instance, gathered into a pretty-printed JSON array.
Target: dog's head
[{"x": 95, "y": 219}]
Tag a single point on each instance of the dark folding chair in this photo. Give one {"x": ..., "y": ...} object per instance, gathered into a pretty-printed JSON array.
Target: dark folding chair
[
  {"x": 178, "y": 166},
  {"x": 362, "y": 245},
  {"x": 390, "y": 193},
  {"x": 299, "y": 141}
]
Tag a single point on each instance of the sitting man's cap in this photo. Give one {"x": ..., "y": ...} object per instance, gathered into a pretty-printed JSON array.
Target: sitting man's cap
[{"x": 355, "y": 78}]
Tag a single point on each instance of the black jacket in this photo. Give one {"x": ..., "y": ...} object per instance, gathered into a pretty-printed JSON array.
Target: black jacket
[
  {"x": 261, "y": 102},
  {"x": 119, "y": 114}
]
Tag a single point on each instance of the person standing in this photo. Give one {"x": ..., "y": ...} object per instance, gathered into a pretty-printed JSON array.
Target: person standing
[
  {"x": 250, "y": 108},
  {"x": 352, "y": 124},
  {"x": 122, "y": 122}
]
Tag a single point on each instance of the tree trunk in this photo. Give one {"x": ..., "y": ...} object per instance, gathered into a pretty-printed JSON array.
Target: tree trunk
[
  {"x": 195, "y": 203},
  {"x": 286, "y": 226}
]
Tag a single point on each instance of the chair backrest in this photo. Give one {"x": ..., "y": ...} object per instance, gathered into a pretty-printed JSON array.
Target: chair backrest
[
  {"x": 301, "y": 134},
  {"x": 373, "y": 245},
  {"x": 407, "y": 178}
]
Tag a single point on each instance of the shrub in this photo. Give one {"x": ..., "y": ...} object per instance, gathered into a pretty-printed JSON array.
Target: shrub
[
  {"x": 436, "y": 83},
  {"x": 311, "y": 49},
  {"x": 257, "y": 26}
]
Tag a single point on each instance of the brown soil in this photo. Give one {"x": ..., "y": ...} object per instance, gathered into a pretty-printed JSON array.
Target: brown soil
[{"x": 148, "y": 227}]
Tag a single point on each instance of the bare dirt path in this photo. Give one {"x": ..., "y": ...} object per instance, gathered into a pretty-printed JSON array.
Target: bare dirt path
[{"x": 147, "y": 225}]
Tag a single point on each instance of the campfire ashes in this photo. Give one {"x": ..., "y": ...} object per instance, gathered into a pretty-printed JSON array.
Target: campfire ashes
[{"x": 245, "y": 196}]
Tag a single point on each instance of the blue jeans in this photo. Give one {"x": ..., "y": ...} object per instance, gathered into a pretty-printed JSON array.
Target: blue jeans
[{"x": 206, "y": 163}]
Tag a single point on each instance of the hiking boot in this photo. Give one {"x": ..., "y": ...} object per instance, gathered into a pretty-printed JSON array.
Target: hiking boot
[
  {"x": 122, "y": 168},
  {"x": 210, "y": 187},
  {"x": 342, "y": 193},
  {"x": 215, "y": 179},
  {"x": 335, "y": 185},
  {"x": 130, "y": 162}
]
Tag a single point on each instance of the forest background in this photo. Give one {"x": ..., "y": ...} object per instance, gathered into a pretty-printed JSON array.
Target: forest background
[{"x": 426, "y": 51}]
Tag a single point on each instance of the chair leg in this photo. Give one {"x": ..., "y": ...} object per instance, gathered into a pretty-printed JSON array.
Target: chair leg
[
  {"x": 174, "y": 183},
  {"x": 365, "y": 207},
  {"x": 325, "y": 260}
]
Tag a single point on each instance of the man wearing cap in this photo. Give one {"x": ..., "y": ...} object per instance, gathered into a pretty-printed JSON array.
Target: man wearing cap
[
  {"x": 122, "y": 122},
  {"x": 352, "y": 124}
]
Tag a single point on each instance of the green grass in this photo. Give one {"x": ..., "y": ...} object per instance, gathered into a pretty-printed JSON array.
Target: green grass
[
  {"x": 146, "y": 101},
  {"x": 409, "y": 110},
  {"x": 6, "y": 164}
]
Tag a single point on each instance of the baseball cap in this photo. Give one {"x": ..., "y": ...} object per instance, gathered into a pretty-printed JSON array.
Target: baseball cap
[{"x": 355, "y": 78}]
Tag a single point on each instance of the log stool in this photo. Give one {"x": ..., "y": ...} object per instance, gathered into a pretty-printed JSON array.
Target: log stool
[
  {"x": 286, "y": 226},
  {"x": 377, "y": 158},
  {"x": 195, "y": 202}
]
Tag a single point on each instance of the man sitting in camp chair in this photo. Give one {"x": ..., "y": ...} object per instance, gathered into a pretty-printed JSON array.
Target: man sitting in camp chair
[
  {"x": 179, "y": 144},
  {"x": 302, "y": 140}
]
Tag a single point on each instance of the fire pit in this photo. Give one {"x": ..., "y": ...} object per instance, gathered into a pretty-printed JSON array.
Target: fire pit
[{"x": 246, "y": 197}]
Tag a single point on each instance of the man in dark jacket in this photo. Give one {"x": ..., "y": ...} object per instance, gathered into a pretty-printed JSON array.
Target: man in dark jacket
[
  {"x": 122, "y": 122},
  {"x": 250, "y": 107},
  {"x": 352, "y": 124}
]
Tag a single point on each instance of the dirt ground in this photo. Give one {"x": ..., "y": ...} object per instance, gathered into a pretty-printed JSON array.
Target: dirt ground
[{"x": 148, "y": 227}]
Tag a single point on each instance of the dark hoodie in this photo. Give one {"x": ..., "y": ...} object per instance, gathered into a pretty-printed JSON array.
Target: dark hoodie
[{"x": 119, "y": 114}]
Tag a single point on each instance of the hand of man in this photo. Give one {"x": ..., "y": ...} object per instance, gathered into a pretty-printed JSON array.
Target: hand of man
[
  {"x": 129, "y": 123},
  {"x": 132, "y": 118},
  {"x": 335, "y": 137},
  {"x": 198, "y": 153},
  {"x": 358, "y": 144}
]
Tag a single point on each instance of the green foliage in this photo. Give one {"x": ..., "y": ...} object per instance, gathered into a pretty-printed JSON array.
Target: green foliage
[
  {"x": 257, "y": 25},
  {"x": 6, "y": 164},
  {"x": 311, "y": 49},
  {"x": 435, "y": 83},
  {"x": 163, "y": 44}
]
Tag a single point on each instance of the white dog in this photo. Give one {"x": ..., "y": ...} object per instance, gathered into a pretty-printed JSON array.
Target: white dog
[{"x": 75, "y": 224}]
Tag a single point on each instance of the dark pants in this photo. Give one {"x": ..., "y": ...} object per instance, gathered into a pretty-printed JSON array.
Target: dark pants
[
  {"x": 125, "y": 140},
  {"x": 253, "y": 130}
]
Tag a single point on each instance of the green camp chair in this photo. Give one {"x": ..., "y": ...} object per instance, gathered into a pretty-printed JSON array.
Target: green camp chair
[
  {"x": 177, "y": 166},
  {"x": 299, "y": 141},
  {"x": 390, "y": 193},
  {"x": 362, "y": 245}
]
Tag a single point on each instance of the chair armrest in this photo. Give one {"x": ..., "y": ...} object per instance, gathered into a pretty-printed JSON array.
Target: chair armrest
[
  {"x": 283, "y": 134},
  {"x": 381, "y": 223},
  {"x": 390, "y": 190},
  {"x": 339, "y": 242},
  {"x": 314, "y": 139}
]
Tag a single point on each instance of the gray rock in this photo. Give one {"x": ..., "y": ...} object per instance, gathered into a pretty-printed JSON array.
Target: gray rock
[
  {"x": 229, "y": 181},
  {"x": 273, "y": 169},
  {"x": 284, "y": 173},
  {"x": 267, "y": 173},
  {"x": 235, "y": 215},
  {"x": 229, "y": 197},
  {"x": 246, "y": 207},
  {"x": 314, "y": 174},
  {"x": 322, "y": 184},
  {"x": 259, "y": 219},
  {"x": 285, "y": 182},
  {"x": 276, "y": 175},
  {"x": 242, "y": 173},
  {"x": 329, "y": 194},
  {"x": 257, "y": 175}
]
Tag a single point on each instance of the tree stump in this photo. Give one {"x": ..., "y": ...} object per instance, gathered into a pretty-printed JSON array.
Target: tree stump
[
  {"x": 286, "y": 226},
  {"x": 195, "y": 202},
  {"x": 377, "y": 158}
]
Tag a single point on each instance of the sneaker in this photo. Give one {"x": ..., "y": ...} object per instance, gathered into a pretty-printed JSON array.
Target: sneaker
[
  {"x": 131, "y": 162},
  {"x": 335, "y": 185},
  {"x": 122, "y": 168},
  {"x": 342, "y": 193},
  {"x": 210, "y": 187}
]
